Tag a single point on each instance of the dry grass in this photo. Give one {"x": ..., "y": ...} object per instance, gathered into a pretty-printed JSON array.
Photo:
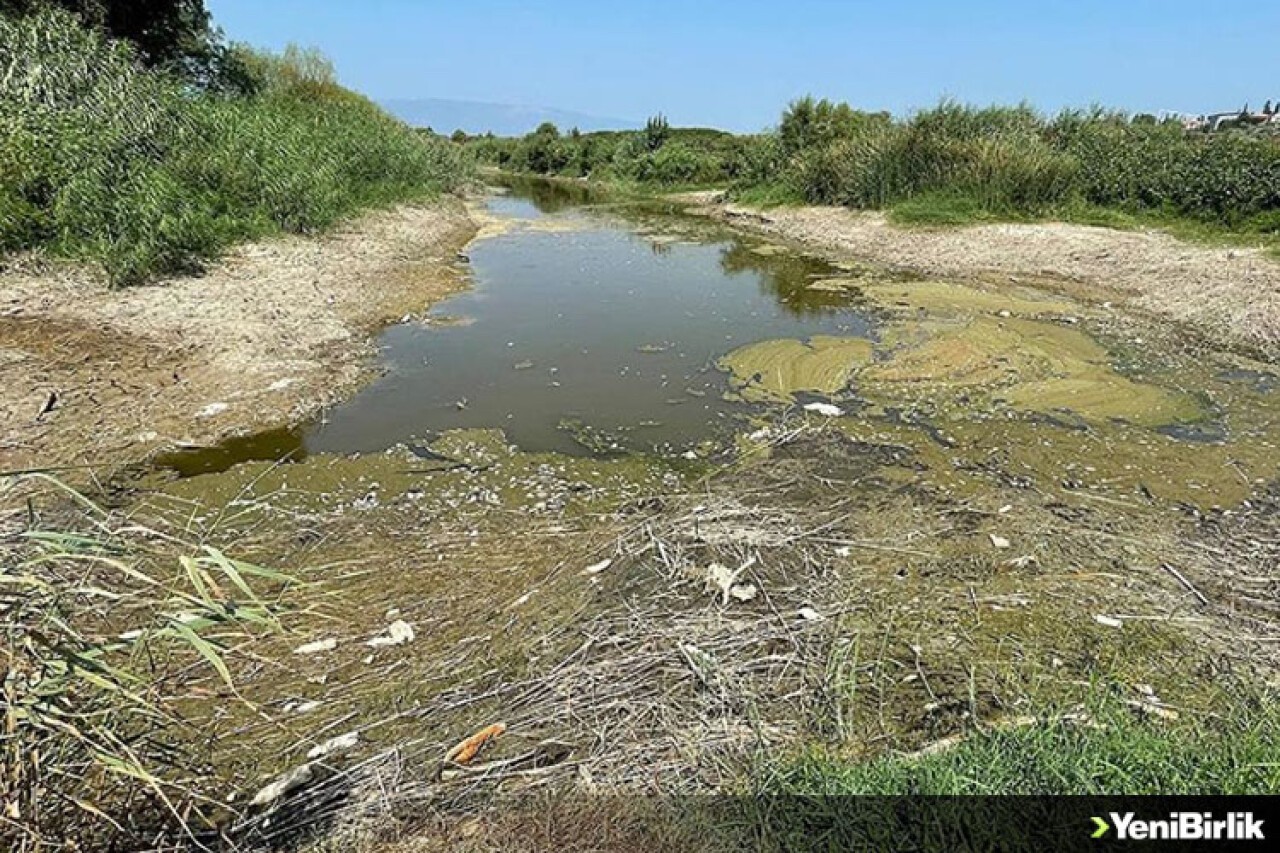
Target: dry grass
[
  {"x": 642, "y": 678},
  {"x": 103, "y": 619},
  {"x": 647, "y": 680}
]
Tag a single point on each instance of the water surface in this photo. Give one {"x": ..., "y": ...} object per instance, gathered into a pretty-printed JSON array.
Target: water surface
[{"x": 586, "y": 329}]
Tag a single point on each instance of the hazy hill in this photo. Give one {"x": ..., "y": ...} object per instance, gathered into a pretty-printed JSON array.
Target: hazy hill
[{"x": 446, "y": 116}]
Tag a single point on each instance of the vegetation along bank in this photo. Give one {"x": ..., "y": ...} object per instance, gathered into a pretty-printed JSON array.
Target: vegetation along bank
[
  {"x": 147, "y": 170},
  {"x": 996, "y": 532},
  {"x": 951, "y": 164}
]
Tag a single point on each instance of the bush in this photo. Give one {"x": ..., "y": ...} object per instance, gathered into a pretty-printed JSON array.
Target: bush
[
  {"x": 104, "y": 159},
  {"x": 659, "y": 154},
  {"x": 949, "y": 162},
  {"x": 1225, "y": 177},
  {"x": 808, "y": 124},
  {"x": 1009, "y": 160}
]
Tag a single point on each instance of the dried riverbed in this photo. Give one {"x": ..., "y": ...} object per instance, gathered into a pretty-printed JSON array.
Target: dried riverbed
[
  {"x": 900, "y": 507},
  {"x": 265, "y": 336}
]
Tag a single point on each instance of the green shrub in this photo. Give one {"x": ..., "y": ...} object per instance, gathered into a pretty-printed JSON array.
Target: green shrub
[
  {"x": 659, "y": 154},
  {"x": 103, "y": 159},
  {"x": 949, "y": 163},
  {"x": 656, "y": 132},
  {"x": 808, "y": 124},
  {"x": 1010, "y": 161},
  {"x": 1224, "y": 177}
]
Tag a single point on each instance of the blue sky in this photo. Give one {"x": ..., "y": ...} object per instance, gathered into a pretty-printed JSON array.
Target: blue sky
[{"x": 735, "y": 64}]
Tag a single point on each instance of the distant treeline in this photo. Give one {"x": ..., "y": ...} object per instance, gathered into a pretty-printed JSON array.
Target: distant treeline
[
  {"x": 146, "y": 143},
  {"x": 658, "y": 154},
  {"x": 1004, "y": 161}
]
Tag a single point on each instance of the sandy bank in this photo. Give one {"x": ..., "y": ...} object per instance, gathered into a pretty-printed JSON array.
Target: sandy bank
[
  {"x": 268, "y": 334},
  {"x": 1231, "y": 294}
]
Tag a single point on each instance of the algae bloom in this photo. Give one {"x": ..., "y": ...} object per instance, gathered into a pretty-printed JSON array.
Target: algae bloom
[{"x": 777, "y": 370}]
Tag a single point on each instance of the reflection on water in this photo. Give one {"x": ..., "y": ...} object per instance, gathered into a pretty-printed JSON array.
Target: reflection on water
[
  {"x": 602, "y": 333},
  {"x": 598, "y": 334},
  {"x": 551, "y": 196},
  {"x": 285, "y": 444}
]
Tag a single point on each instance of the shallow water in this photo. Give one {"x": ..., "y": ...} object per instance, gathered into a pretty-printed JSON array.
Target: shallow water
[
  {"x": 603, "y": 328},
  {"x": 585, "y": 330},
  {"x": 590, "y": 326}
]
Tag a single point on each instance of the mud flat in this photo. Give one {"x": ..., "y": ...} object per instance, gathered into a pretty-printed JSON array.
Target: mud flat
[
  {"x": 267, "y": 335},
  {"x": 941, "y": 508},
  {"x": 1230, "y": 294}
]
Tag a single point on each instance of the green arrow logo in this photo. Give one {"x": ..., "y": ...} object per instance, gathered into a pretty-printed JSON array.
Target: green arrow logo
[{"x": 1102, "y": 825}]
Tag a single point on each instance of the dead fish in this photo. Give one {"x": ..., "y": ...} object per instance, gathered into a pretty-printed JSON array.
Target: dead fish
[{"x": 466, "y": 750}]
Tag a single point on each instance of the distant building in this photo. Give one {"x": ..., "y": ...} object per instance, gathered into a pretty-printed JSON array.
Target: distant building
[{"x": 1212, "y": 122}]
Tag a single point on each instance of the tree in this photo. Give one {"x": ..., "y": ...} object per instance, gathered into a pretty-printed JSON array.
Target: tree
[
  {"x": 656, "y": 131},
  {"x": 459, "y": 136},
  {"x": 177, "y": 35},
  {"x": 807, "y": 123},
  {"x": 542, "y": 151},
  {"x": 164, "y": 31}
]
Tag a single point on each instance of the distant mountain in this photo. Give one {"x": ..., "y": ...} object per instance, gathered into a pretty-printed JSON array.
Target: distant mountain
[{"x": 475, "y": 117}]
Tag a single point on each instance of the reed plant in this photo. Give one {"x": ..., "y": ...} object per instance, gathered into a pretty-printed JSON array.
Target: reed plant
[
  {"x": 1013, "y": 162},
  {"x": 105, "y": 622},
  {"x": 146, "y": 174}
]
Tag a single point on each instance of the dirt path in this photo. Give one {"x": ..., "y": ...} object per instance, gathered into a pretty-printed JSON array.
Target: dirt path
[
  {"x": 269, "y": 334},
  {"x": 1232, "y": 294}
]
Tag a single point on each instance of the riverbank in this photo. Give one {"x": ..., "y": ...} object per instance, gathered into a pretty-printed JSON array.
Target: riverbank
[
  {"x": 1010, "y": 506},
  {"x": 269, "y": 334},
  {"x": 1231, "y": 295}
]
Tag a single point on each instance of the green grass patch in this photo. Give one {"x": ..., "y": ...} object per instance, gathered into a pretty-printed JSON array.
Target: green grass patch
[
  {"x": 1112, "y": 749},
  {"x": 768, "y": 194},
  {"x": 105, "y": 160},
  {"x": 941, "y": 210},
  {"x": 1257, "y": 232}
]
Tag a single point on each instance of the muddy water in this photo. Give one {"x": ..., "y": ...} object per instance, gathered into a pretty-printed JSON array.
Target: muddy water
[
  {"x": 582, "y": 331},
  {"x": 1084, "y": 438},
  {"x": 587, "y": 329},
  {"x": 600, "y": 328}
]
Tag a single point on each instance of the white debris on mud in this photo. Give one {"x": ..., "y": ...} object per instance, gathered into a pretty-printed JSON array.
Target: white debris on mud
[
  {"x": 824, "y": 409},
  {"x": 333, "y": 745},
  {"x": 326, "y": 645},
  {"x": 398, "y": 633}
]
